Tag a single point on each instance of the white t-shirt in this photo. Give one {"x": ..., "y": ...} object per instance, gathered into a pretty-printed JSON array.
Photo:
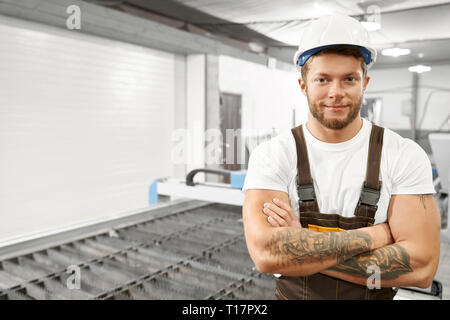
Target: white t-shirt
[{"x": 338, "y": 170}]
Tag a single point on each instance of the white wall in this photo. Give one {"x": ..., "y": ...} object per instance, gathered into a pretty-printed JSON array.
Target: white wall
[
  {"x": 195, "y": 112},
  {"x": 438, "y": 107},
  {"x": 180, "y": 121},
  {"x": 394, "y": 86},
  {"x": 268, "y": 95},
  {"x": 85, "y": 127}
]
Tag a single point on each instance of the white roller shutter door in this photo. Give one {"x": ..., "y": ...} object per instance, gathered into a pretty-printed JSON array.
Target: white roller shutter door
[{"x": 85, "y": 126}]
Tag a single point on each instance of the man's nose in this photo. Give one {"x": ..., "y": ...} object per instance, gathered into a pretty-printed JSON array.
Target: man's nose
[{"x": 336, "y": 91}]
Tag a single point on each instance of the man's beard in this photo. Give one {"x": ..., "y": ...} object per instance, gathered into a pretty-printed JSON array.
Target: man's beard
[{"x": 317, "y": 110}]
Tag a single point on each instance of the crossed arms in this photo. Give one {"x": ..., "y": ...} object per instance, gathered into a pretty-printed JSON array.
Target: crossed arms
[{"x": 406, "y": 249}]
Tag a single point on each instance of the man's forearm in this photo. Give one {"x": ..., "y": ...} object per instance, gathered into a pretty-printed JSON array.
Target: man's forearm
[
  {"x": 390, "y": 266},
  {"x": 411, "y": 261},
  {"x": 300, "y": 251}
]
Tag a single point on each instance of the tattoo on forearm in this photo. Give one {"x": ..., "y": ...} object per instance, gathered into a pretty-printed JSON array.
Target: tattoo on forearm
[
  {"x": 294, "y": 246},
  {"x": 393, "y": 261}
]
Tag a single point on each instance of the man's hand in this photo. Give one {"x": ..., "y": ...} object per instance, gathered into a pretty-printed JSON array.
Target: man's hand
[
  {"x": 413, "y": 259},
  {"x": 401, "y": 255},
  {"x": 280, "y": 214},
  {"x": 296, "y": 251}
]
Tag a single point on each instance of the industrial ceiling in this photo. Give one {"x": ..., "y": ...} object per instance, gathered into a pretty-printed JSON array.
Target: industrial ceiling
[{"x": 275, "y": 27}]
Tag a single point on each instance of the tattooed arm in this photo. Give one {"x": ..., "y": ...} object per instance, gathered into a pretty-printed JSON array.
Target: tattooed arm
[
  {"x": 413, "y": 259},
  {"x": 299, "y": 251}
]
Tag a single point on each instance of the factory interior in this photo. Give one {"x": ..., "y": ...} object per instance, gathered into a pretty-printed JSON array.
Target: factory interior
[{"x": 127, "y": 129}]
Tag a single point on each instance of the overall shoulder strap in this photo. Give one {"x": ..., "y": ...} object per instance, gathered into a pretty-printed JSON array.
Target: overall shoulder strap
[
  {"x": 370, "y": 193},
  {"x": 305, "y": 186},
  {"x": 374, "y": 158}
]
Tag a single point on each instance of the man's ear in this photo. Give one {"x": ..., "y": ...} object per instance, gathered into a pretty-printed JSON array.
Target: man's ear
[
  {"x": 302, "y": 84},
  {"x": 366, "y": 82}
]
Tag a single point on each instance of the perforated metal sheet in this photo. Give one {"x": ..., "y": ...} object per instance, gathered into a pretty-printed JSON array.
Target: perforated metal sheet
[{"x": 193, "y": 254}]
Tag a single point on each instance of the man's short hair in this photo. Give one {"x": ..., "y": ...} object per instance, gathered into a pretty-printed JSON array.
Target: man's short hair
[{"x": 342, "y": 50}]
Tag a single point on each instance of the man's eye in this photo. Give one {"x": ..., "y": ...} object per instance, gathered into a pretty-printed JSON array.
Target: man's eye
[
  {"x": 351, "y": 79},
  {"x": 321, "y": 80}
]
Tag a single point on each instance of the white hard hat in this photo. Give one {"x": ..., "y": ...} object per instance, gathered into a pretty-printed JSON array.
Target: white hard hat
[{"x": 332, "y": 30}]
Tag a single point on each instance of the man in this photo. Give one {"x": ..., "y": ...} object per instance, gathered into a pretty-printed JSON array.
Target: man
[{"x": 339, "y": 207}]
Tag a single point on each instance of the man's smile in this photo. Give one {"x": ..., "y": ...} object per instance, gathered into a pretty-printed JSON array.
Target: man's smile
[{"x": 335, "y": 108}]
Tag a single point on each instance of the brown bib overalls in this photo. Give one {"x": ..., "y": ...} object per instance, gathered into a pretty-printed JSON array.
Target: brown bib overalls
[{"x": 319, "y": 286}]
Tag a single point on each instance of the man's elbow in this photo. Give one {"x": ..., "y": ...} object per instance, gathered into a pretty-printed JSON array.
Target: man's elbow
[
  {"x": 427, "y": 276},
  {"x": 425, "y": 281},
  {"x": 424, "y": 270},
  {"x": 262, "y": 262},
  {"x": 263, "y": 267}
]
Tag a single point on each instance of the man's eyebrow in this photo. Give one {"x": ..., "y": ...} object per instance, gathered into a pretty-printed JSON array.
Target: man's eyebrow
[
  {"x": 323, "y": 74},
  {"x": 352, "y": 74}
]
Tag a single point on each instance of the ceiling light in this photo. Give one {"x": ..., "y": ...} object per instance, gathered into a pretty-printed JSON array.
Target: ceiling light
[
  {"x": 317, "y": 5},
  {"x": 395, "y": 52},
  {"x": 321, "y": 8},
  {"x": 256, "y": 47},
  {"x": 371, "y": 25},
  {"x": 419, "y": 68}
]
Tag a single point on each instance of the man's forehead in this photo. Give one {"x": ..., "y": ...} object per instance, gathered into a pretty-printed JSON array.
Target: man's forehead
[{"x": 335, "y": 64}]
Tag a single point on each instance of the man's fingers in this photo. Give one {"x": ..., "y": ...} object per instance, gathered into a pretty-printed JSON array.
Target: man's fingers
[
  {"x": 283, "y": 205},
  {"x": 281, "y": 212},
  {"x": 287, "y": 208},
  {"x": 274, "y": 215},
  {"x": 272, "y": 222},
  {"x": 284, "y": 211}
]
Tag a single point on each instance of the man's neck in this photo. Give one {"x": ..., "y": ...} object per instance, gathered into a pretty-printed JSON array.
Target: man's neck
[{"x": 322, "y": 133}]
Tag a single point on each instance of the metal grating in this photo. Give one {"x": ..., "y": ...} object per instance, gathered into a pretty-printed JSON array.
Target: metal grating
[{"x": 193, "y": 254}]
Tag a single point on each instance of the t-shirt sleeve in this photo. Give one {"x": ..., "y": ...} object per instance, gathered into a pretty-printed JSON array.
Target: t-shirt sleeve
[
  {"x": 267, "y": 168},
  {"x": 412, "y": 172}
]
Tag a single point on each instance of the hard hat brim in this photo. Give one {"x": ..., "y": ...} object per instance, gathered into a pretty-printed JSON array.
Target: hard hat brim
[{"x": 368, "y": 54}]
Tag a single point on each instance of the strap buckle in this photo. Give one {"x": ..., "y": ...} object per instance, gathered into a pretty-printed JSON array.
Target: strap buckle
[
  {"x": 306, "y": 192},
  {"x": 369, "y": 197}
]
